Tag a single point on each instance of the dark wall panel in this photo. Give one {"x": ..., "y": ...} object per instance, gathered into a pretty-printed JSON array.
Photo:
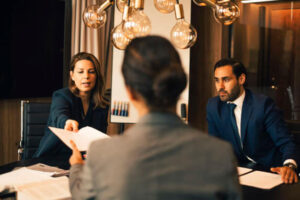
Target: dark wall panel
[{"x": 31, "y": 48}]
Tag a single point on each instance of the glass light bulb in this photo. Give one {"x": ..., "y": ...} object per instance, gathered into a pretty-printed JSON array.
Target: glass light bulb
[
  {"x": 226, "y": 12},
  {"x": 165, "y": 6},
  {"x": 119, "y": 39},
  {"x": 121, "y": 4},
  {"x": 210, "y": 3},
  {"x": 183, "y": 34},
  {"x": 92, "y": 18},
  {"x": 138, "y": 24}
]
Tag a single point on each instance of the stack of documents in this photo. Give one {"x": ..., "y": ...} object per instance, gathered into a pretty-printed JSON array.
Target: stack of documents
[
  {"x": 33, "y": 184},
  {"x": 56, "y": 188},
  {"x": 23, "y": 176}
]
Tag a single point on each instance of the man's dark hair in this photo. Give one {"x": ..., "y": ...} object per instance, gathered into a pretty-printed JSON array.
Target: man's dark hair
[{"x": 237, "y": 67}]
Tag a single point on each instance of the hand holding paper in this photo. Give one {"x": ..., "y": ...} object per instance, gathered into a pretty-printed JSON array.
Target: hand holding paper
[
  {"x": 71, "y": 125},
  {"x": 76, "y": 155},
  {"x": 82, "y": 138}
]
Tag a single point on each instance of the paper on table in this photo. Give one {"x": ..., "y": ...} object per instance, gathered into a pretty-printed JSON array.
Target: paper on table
[
  {"x": 46, "y": 168},
  {"x": 259, "y": 179},
  {"x": 23, "y": 176},
  {"x": 57, "y": 188},
  {"x": 243, "y": 170},
  {"x": 82, "y": 138}
]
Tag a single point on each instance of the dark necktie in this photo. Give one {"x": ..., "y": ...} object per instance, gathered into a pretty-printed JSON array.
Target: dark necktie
[
  {"x": 236, "y": 134},
  {"x": 232, "y": 117},
  {"x": 234, "y": 125}
]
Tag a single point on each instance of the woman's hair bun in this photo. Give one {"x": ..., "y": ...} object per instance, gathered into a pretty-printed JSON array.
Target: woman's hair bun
[
  {"x": 168, "y": 85},
  {"x": 152, "y": 68}
]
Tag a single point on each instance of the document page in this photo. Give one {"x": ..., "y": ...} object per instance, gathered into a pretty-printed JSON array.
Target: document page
[
  {"x": 57, "y": 188},
  {"x": 82, "y": 138},
  {"x": 46, "y": 168},
  {"x": 23, "y": 176},
  {"x": 259, "y": 179},
  {"x": 243, "y": 170}
]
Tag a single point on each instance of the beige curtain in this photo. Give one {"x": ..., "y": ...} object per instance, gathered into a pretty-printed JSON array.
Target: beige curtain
[{"x": 95, "y": 41}]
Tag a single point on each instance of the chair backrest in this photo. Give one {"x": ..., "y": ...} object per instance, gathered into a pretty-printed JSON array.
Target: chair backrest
[
  {"x": 294, "y": 127},
  {"x": 34, "y": 117}
]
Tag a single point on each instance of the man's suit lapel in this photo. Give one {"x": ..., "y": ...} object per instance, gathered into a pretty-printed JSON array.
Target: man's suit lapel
[{"x": 246, "y": 113}]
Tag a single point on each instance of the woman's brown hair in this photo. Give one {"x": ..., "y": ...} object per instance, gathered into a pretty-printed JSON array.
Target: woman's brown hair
[{"x": 98, "y": 91}]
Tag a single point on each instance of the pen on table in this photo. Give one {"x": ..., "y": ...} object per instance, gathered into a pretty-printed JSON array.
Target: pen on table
[{"x": 59, "y": 174}]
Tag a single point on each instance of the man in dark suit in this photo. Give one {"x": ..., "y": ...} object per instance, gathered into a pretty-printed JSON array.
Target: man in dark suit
[{"x": 250, "y": 122}]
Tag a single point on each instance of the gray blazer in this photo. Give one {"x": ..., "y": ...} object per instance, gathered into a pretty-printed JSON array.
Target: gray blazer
[{"x": 158, "y": 158}]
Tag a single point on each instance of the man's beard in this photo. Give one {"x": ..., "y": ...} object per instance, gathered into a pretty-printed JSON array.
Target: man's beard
[{"x": 233, "y": 95}]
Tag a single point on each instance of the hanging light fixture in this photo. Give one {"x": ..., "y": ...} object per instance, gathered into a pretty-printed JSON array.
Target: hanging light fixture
[
  {"x": 138, "y": 23},
  {"x": 118, "y": 37},
  {"x": 183, "y": 34},
  {"x": 121, "y": 4},
  {"x": 225, "y": 11},
  {"x": 135, "y": 23},
  {"x": 165, "y": 6},
  {"x": 258, "y": 1},
  {"x": 95, "y": 16}
]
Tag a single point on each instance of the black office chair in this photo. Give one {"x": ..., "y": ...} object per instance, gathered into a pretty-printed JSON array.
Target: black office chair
[{"x": 34, "y": 116}]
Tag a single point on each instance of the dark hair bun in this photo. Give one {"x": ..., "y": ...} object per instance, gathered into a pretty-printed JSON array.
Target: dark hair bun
[
  {"x": 152, "y": 68},
  {"x": 168, "y": 85}
]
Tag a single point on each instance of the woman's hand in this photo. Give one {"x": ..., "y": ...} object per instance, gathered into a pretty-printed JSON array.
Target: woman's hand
[
  {"x": 71, "y": 125},
  {"x": 76, "y": 157}
]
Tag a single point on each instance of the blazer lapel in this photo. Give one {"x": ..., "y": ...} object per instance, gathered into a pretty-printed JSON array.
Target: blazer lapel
[{"x": 246, "y": 113}]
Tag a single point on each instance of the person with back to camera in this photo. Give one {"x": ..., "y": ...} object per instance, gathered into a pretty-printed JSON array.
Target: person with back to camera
[
  {"x": 81, "y": 104},
  {"x": 250, "y": 122},
  {"x": 160, "y": 157}
]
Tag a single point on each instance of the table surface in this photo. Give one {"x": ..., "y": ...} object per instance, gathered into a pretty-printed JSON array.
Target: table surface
[{"x": 280, "y": 192}]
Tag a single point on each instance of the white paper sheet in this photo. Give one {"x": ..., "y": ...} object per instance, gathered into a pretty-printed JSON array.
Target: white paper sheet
[
  {"x": 57, "y": 188},
  {"x": 259, "y": 179},
  {"x": 23, "y": 176},
  {"x": 82, "y": 138},
  {"x": 56, "y": 172},
  {"x": 243, "y": 170}
]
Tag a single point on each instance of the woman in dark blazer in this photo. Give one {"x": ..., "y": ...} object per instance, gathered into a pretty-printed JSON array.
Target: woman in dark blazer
[{"x": 81, "y": 104}]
